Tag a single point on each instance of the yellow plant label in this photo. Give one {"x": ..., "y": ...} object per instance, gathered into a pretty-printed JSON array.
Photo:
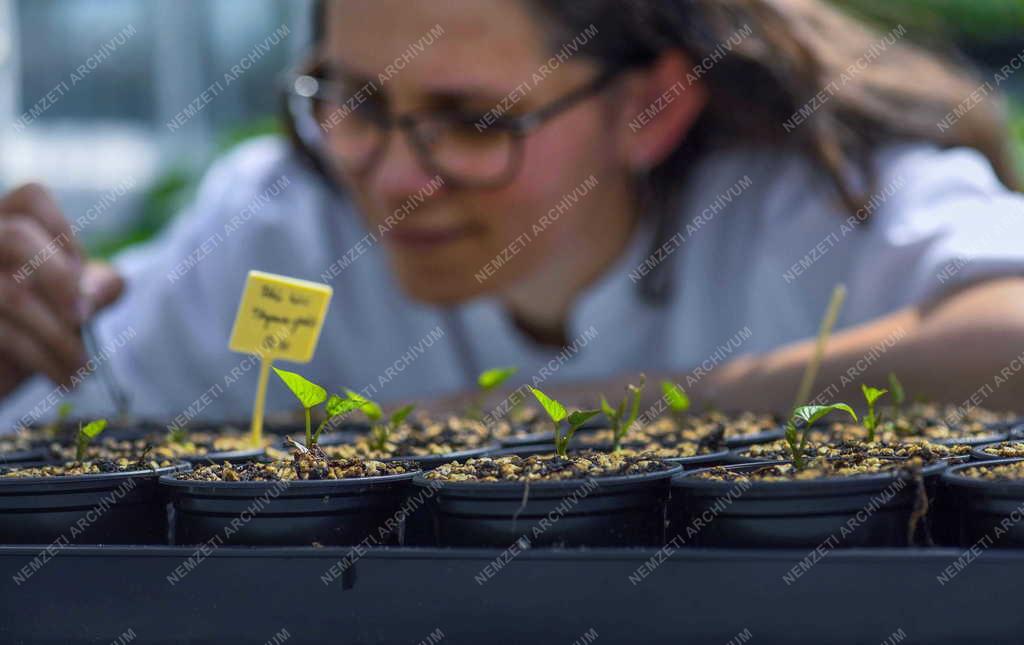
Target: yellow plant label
[{"x": 280, "y": 318}]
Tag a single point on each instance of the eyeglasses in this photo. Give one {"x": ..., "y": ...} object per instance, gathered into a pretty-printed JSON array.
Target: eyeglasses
[{"x": 340, "y": 123}]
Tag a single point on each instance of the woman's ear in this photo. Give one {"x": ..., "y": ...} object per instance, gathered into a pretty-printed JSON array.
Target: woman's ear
[{"x": 661, "y": 103}]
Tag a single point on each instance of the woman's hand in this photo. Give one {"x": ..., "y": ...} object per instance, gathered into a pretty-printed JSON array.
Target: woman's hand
[{"x": 47, "y": 289}]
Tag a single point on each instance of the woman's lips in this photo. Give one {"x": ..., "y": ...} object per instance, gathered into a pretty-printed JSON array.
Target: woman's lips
[{"x": 426, "y": 238}]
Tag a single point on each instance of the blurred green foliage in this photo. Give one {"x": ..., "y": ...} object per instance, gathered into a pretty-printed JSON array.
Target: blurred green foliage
[
  {"x": 1017, "y": 131},
  {"x": 172, "y": 191},
  {"x": 959, "y": 20}
]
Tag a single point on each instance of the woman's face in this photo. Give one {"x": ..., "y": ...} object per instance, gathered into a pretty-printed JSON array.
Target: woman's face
[{"x": 445, "y": 242}]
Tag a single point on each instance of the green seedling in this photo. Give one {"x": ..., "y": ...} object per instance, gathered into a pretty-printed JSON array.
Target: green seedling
[
  {"x": 380, "y": 429},
  {"x": 177, "y": 435},
  {"x": 487, "y": 382},
  {"x": 808, "y": 415},
  {"x": 871, "y": 395},
  {"x": 86, "y": 434},
  {"x": 677, "y": 400},
  {"x": 63, "y": 412},
  {"x": 311, "y": 395},
  {"x": 899, "y": 396},
  {"x": 307, "y": 392},
  {"x": 623, "y": 417},
  {"x": 558, "y": 414}
]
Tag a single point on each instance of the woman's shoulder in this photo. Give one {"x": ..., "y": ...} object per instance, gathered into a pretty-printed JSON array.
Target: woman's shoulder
[
  {"x": 932, "y": 220},
  {"x": 263, "y": 165},
  {"x": 783, "y": 179},
  {"x": 260, "y": 205}
]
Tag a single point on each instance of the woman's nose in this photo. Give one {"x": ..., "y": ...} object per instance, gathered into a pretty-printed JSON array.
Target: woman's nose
[{"x": 399, "y": 172}]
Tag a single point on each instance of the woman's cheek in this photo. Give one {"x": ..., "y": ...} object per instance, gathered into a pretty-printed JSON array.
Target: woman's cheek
[{"x": 549, "y": 170}]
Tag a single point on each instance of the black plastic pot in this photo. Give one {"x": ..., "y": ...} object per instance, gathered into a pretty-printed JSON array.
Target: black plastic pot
[
  {"x": 37, "y": 453},
  {"x": 716, "y": 458},
  {"x": 793, "y": 514},
  {"x": 107, "y": 508},
  {"x": 293, "y": 513},
  {"x": 736, "y": 457},
  {"x": 980, "y": 440},
  {"x": 758, "y": 437},
  {"x": 978, "y": 452},
  {"x": 529, "y": 439},
  {"x": 606, "y": 511},
  {"x": 987, "y": 512},
  {"x": 430, "y": 462},
  {"x": 696, "y": 461},
  {"x": 217, "y": 457},
  {"x": 230, "y": 456},
  {"x": 419, "y": 525}
]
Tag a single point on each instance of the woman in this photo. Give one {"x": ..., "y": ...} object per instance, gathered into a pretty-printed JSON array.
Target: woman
[{"x": 585, "y": 190}]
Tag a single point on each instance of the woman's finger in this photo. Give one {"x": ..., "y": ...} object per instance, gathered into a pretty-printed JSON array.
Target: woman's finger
[
  {"x": 34, "y": 201},
  {"x": 35, "y": 318},
  {"x": 26, "y": 353},
  {"x": 24, "y": 252},
  {"x": 101, "y": 285}
]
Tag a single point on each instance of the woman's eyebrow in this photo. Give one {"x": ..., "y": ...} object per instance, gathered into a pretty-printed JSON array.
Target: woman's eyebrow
[
  {"x": 334, "y": 71},
  {"x": 463, "y": 96},
  {"x": 442, "y": 93}
]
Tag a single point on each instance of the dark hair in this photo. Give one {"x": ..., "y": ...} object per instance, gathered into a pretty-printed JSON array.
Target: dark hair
[{"x": 790, "y": 50}]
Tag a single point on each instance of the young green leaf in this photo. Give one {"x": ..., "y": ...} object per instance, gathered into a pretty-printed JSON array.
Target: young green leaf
[
  {"x": 608, "y": 410},
  {"x": 52, "y": 429},
  {"x": 676, "y": 397},
  {"x": 809, "y": 414},
  {"x": 308, "y": 393},
  {"x": 898, "y": 395},
  {"x": 371, "y": 409},
  {"x": 86, "y": 435},
  {"x": 177, "y": 435},
  {"x": 94, "y": 428},
  {"x": 554, "y": 409},
  {"x": 576, "y": 419},
  {"x": 398, "y": 416},
  {"x": 871, "y": 395},
  {"x": 337, "y": 406},
  {"x": 634, "y": 410},
  {"x": 579, "y": 417},
  {"x": 493, "y": 378},
  {"x": 622, "y": 418}
]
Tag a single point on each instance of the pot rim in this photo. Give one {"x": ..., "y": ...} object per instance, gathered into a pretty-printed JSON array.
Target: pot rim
[
  {"x": 952, "y": 475},
  {"x": 974, "y": 440},
  {"x": 171, "y": 481},
  {"x": 687, "y": 479},
  {"x": 224, "y": 454},
  {"x": 459, "y": 454},
  {"x": 707, "y": 456},
  {"x": 25, "y": 454},
  {"x": 735, "y": 453},
  {"x": 978, "y": 452},
  {"x": 161, "y": 472},
  {"x": 479, "y": 486}
]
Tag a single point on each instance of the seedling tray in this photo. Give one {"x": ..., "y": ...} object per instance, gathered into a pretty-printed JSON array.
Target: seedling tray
[{"x": 96, "y": 594}]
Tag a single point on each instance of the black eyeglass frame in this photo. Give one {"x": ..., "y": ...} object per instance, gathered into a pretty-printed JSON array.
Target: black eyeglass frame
[{"x": 518, "y": 127}]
